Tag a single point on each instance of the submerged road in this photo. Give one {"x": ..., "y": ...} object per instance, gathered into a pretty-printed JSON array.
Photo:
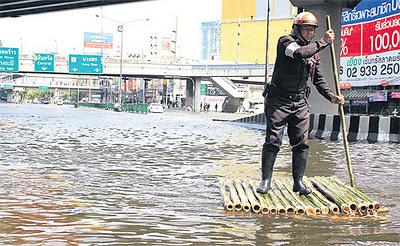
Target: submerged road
[{"x": 73, "y": 176}]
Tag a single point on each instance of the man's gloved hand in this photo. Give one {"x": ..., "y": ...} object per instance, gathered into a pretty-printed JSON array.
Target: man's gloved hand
[
  {"x": 337, "y": 100},
  {"x": 329, "y": 36}
]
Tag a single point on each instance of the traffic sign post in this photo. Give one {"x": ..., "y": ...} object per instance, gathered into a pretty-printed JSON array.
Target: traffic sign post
[
  {"x": 9, "y": 60},
  {"x": 44, "y": 62},
  {"x": 90, "y": 64}
]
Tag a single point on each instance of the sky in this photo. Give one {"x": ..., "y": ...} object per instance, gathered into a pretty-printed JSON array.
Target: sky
[{"x": 63, "y": 31}]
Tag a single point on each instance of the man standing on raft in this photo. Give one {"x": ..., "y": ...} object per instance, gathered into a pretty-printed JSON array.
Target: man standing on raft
[{"x": 297, "y": 62}]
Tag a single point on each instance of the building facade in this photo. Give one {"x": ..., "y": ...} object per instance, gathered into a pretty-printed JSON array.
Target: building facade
[{"x": 244, "y": 28}]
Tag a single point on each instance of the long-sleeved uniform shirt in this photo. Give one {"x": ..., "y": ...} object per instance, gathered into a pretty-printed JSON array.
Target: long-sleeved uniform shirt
[{"x": 296, "y": 64}]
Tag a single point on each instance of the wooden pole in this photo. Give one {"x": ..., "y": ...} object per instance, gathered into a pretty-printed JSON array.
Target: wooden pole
[
  {"x": 267, "y": 45},
  {"x": 341, "y": 111}
]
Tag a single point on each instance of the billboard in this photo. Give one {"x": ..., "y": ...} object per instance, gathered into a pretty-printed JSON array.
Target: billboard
[
  {"x": 98, "y": 40},
  {"x": 379, "y": 96},
  {"x": 370, "y": 44},
  {"x": 166, "y": 44}
]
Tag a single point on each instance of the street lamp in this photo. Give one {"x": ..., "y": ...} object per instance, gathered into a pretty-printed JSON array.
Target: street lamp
[{"x": 121, "y": 30}]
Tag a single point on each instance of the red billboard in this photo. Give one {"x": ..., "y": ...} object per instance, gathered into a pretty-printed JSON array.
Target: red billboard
[{"x": 370, "y": 44}]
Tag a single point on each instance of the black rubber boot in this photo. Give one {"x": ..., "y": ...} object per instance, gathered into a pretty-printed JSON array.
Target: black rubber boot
[
  {"x": 267, "y": 166},
  {"x": 299, "y": 161}
]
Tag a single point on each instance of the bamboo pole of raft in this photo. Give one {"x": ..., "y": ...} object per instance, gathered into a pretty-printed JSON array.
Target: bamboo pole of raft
[
  {"x": 351, "y": 201},
  {"x": 280, "y": 207},
  {"x": 370, "y": 202},
  {"x": 285, "y": 202},
  {"x": 331, "y": 195},
  {"x": 341, "y": 110},
  {"x": 367, "y": 203},
  {"x": 343, "y": 195},
  {"x": 299, "y": 206},
  {"x": 255, "y": 205},
  {"x": 228, "y": 204},
  {"x": 315, "y": 210},
  {"x": 308, "y": 208},
  {"x": 267, "y": 205},
  {"x": 333, "y": 208},
  {"x": 356, "y": 203},
  {"x": 263, "y": 202},
  {"x": 312, "y": 201},
  {"x": 242, "y": 195},
  {"x": 234, "y": 195}
]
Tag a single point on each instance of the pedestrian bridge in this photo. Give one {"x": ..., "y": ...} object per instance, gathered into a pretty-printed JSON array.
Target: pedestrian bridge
[
  {"x": 134, "y": 68},
  {"x": 221, "y": 75}
]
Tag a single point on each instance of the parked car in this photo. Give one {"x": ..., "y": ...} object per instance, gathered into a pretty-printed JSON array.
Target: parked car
[
  {"x": 256, "y": 109},
  {"x": 155, "y": 108}
]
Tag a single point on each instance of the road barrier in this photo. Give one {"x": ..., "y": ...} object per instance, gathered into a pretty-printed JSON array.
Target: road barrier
[
  {"x": 126, "y": 107},
  {"x": 371, "y": 128}
]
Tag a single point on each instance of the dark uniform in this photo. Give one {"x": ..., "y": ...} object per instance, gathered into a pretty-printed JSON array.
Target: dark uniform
[
  {"x": 286, "y": 103},
  {"x": 286, "y": 96}
]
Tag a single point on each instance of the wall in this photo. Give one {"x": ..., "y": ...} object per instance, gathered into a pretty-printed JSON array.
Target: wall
[
  {"x": 251, "y": 40},
  {"x": 238, "y": 9}
]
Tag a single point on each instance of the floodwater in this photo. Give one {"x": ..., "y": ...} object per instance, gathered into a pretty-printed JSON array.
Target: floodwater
[{"x": 82, "y": 176}]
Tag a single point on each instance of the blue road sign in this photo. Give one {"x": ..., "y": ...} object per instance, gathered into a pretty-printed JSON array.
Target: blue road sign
[
  {"x": 91, "y": 64},
  {"x": 44, "y": 62},
  {"x": 43, "y": 88},
  {"x": 8, "y": 59}
]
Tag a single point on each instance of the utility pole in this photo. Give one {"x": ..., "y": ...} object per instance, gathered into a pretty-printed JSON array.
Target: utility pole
[
  {"x": 238, "y": 41},
  {"x": 121, "y": 30},
  {"x": 176, "y": 38}
]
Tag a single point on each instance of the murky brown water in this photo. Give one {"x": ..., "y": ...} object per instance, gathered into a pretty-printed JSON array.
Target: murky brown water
[{"x": 92, "y": 177}]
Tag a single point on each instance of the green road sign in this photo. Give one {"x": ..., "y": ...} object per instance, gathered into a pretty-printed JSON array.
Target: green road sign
[
  {"x": 8, "y": 59},
  {"x": 6, "y": 86},
  {"x": 91, "y": 64},
  {"x": 203, "y": 89},
  {"x": 43, "y": 88},
  {"x": 44, "y": 62}
]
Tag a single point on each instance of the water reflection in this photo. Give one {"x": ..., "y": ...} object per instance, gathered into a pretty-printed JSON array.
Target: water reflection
[{"x": 86, "y": 176}]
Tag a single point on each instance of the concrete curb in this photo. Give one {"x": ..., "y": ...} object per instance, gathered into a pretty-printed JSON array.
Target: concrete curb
[{"x": 359, "y": 127}]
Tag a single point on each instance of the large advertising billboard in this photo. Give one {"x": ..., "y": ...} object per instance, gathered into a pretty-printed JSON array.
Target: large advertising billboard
[
  {"x": 370, "y": 44},
  {"x": 98, "y": 40}
]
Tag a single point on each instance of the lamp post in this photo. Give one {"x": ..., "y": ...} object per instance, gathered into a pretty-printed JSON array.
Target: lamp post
[{"x": 121, "y": 30}]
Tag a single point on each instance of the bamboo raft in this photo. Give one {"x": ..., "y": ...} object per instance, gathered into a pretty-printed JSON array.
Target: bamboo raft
[{"x": 330, "y": 196}]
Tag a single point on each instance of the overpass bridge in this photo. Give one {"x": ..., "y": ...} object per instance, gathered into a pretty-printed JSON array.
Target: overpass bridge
[{"x": 223, "y": 76}]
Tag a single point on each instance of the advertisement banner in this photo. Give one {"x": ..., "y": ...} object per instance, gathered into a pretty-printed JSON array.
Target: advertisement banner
[
  {"x": 98, "y": 40},
  {"x": 359, "y": 103},
  {"x": 379, "y": 96},
  {"x": 370, "y": 44},
  {"x": 166, "y": 44},
  {"x": 395, "y": 94}
]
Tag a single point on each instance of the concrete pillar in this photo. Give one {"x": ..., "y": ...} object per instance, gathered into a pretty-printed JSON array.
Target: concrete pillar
[
  {"x": 319, "y": 104},
  {"x": 90, "y": 94},
  {"x": 321, "y": 8},
  {"x": 9, "y": 95},
  {"x": 189, "y": 93},
  {"x": 197, "y": 86}
]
